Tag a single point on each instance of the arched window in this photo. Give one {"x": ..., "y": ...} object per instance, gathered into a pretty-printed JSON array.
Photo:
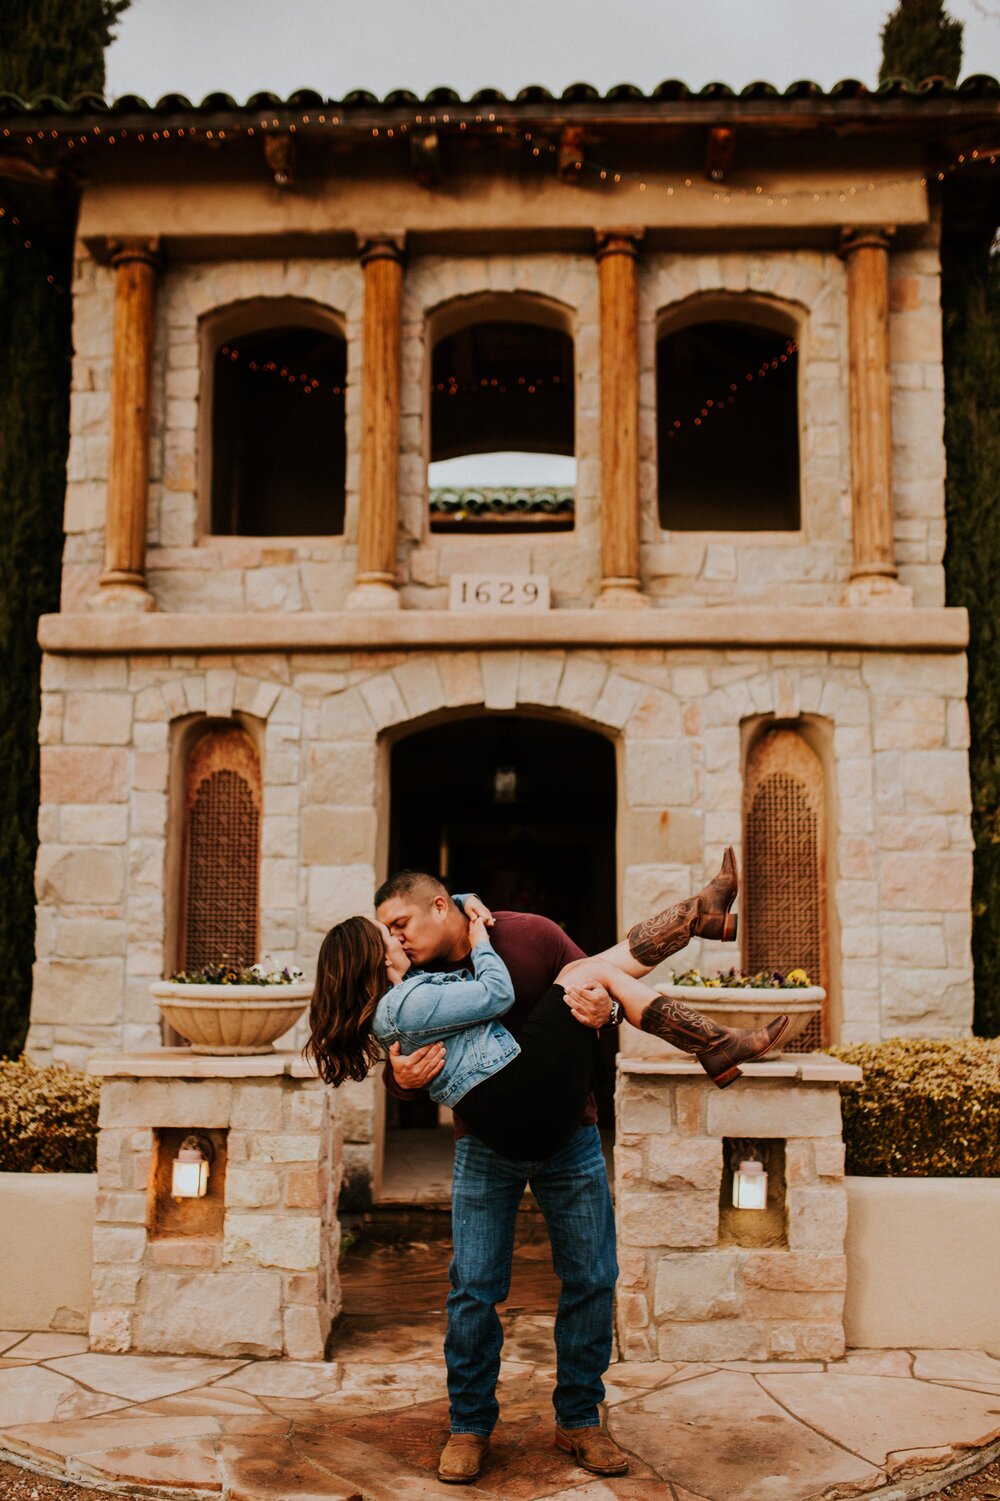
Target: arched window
[
  {"x": 221, "y": 850},
  {"x": 502, "y": 421},
  {"x": 728, "y": 425},
  {"x": 278, "y": 450},
  {"x": 784, "y": 859}
]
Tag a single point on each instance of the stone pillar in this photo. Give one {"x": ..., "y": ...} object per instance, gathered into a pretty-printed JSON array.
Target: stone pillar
[
  {"x": 873, "y": 571},
  {"x": 697, "y": 1282},
  {"x": 249, "y": 1270},
  {"x": 382, "y": 259},
  {"x": 617, "y": 253},
  {"x": 123, "y": 582}
]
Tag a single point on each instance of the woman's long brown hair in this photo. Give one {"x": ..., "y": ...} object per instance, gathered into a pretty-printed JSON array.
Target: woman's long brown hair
[{"x": 351, "y": 977}]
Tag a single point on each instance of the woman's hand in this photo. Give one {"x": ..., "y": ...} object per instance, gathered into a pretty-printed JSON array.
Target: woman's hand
[
  {"x": 590, "y": 1003},
  {"x": 416, "y": 1070},
  {"x": 476, "y": 910},
  {"x": 477, "y": 932}
]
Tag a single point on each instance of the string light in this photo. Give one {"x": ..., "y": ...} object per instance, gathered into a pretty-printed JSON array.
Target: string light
[
  {"x": 13, "y": 220},
  {"x": 495, "y": 384},
  {"x": 307, "y": 384},
  {"x": 713, "y": 406},
  {"x": 581, "y": 164}
]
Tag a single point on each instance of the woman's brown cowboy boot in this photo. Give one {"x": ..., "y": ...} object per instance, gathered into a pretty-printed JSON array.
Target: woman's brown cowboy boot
[
  {"x": 719, "y": 1050},
  {"x": 706, "y": 915}
]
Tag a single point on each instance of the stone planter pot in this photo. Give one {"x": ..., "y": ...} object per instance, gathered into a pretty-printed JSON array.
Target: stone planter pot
[
  {"x": 740, "y": 1006},
  {"x": 232, "y": 1019}
]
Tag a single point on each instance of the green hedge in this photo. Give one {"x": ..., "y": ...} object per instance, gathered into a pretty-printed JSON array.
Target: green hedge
[
  {"x": 925, "y": 1109},
  {"x": 48, "y": 1119}
]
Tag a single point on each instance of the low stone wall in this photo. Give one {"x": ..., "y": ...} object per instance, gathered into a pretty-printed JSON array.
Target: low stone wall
[
  {"x": 923, "y": 1263},
  {"x": 45, "y": 1250},
  {"x": 264, "y": 1281},
  {"x": 695, "y": 1283}
]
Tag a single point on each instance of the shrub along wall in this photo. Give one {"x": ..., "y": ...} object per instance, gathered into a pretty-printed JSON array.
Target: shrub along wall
[
  {"x": 924, "y": 1108},
  {"x": 48, "y": 1119}
]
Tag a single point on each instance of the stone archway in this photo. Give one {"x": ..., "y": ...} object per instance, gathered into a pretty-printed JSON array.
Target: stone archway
[{"x": 521, "y": 809}]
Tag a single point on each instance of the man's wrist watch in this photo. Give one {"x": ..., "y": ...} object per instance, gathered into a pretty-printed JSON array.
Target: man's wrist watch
[{"x": 616, "y": 1015}]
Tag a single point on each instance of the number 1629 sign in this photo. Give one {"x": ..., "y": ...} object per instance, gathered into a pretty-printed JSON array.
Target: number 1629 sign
[{"x": 499, "y": 591}]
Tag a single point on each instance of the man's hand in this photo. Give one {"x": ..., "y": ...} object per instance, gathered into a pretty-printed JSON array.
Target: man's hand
[
  {"x": 416, "y": 1070},
  {"x": 590, "y": 1003},
  {"x": 476, "y": 910}
]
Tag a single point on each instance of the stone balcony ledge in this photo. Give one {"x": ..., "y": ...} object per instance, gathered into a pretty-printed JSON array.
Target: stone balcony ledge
[
  {"x": 807, "y": 1068},
  {"x": 182, "y": 1063},
  {"x": 825, "y": 627}
]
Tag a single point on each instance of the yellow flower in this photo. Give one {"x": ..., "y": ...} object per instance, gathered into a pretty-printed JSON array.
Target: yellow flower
[{"x": 798, "y": 977}]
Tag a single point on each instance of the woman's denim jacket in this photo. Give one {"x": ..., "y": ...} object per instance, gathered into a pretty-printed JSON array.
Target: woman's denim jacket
[{"x": 461, "y": 1006}]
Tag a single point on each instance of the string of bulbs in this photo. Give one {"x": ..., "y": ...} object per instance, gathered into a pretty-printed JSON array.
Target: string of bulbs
[{"x": 713, "y": 406}]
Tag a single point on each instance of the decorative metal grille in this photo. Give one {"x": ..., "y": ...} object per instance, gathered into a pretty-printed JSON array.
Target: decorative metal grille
[
  {"x": 785, "y": 905},
  {"x": 221, "y": 850}
]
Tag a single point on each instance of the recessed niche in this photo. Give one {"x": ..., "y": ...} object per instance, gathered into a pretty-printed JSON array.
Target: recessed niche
[
  {"x": 170, "y": 1217},
  {"x": 754, "y": 1227}
]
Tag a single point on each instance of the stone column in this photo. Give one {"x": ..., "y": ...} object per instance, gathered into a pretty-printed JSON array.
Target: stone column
[
  {"x": 382, "y": 259},
  {"x": 617, "y": 253},
  {"x": 123, "y": 582},
  {"x": 873, "y": 571}
]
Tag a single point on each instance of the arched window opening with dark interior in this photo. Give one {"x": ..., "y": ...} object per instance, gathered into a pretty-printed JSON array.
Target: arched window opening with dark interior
[
  {"x": 502, "y": 426},
  {"x": 728, "y": 426},
  {"x": 221, "y": 850},
  {"x": 522, "y": 811},
  {"x": 784, "y": 859},
  {"x": 278, "y": 442}
]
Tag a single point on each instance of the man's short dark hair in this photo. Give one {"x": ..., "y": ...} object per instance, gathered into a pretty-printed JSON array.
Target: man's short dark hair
[{"x": 415, "y": 883}]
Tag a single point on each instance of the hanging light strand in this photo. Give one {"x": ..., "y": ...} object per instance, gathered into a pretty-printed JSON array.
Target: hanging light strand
[
  {"x": 283, "y": 370},
  {"x": 714, "y": 406}
]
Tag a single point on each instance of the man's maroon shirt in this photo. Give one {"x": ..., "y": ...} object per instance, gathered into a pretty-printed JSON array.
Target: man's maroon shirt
[{"x": 534, "y": 949}]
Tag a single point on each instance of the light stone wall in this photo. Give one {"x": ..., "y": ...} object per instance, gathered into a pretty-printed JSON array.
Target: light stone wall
[
  {"x": 190, "y": 570},
  {"x": 268, "y": 1285},
  {"x": 899, "y": 849},
  {"x": 682, "y": 1293}
]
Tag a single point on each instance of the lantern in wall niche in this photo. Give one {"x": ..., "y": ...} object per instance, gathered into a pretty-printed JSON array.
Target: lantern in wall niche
[
  {"x": 750, "y": 1186},
  {"x": 189, "y": 1174}
]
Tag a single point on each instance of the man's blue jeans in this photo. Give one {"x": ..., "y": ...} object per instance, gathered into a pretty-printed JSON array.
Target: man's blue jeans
[{"x": 572, "y": 1191}]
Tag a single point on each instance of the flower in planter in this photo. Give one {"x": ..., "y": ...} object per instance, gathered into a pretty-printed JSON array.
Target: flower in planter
[
  {"x": 228, "y": 971},
  {"x": 732, "y": 979}
]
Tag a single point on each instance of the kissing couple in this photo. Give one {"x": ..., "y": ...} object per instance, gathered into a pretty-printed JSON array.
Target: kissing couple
[{"x": 497, "y": 1016}]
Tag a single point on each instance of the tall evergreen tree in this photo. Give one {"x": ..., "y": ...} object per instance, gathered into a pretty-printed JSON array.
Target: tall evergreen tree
[
  {"x": 920, "y": 40},
  {"x": 46, "y": 47},
  {"x": 971, "y": 306}
]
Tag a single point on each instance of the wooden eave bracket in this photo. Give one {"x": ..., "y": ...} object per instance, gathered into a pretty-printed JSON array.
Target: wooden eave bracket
[{"x": 720, "y": 149}]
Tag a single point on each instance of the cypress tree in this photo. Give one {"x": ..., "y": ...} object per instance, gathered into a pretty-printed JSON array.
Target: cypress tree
[
  {"x": 920, "y": 40},
  {"x": 46, "y": 47},
  {"x": 971, "y": 307}
]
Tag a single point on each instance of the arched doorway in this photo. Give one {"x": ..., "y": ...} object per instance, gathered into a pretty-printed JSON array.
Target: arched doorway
[{"x": 522, "y": 811}]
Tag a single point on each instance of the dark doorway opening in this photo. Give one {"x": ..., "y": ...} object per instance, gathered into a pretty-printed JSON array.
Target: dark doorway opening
[{"x": 521, "y": 811}]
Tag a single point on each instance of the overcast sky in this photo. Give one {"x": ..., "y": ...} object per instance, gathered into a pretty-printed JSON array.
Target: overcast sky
[{"x": 197, "y": 46}]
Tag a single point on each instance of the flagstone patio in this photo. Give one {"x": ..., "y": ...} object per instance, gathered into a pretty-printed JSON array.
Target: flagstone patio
[{"x": 369, "y": 1423}]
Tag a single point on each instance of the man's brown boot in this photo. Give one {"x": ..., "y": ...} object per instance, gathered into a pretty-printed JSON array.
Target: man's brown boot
[
  {"x": 719, "y": 1050},
  {"x": 593, "y": 1450},
  {"x": 462, "y": 1458},
  {"x": 706, "y": 915}
]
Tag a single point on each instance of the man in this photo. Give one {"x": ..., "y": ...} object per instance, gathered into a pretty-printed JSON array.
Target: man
[{"x": 571, "y": 1186}]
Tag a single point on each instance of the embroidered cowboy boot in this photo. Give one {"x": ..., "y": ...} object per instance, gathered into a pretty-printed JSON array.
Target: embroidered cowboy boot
[
  {"x": 706, "y": 915},
  {"x": 719, "y": 1050}
]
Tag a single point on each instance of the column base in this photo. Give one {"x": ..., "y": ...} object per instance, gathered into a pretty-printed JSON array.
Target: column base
[
  {"x": 621, "y": 594},
  {"x": 122, "y": 594},
  {"x": 374, "y": 594},
  {"x": 878, "y": 589}
]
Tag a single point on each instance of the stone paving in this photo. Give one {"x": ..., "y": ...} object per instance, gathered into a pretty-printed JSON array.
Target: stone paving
[{"x": 369, "y": 1423}]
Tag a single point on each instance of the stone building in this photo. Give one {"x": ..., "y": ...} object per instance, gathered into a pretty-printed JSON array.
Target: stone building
[{"x": 717, "y": 319}]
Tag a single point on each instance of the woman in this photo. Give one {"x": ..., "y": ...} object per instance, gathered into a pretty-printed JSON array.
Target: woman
[{"x": 523, "y": 1097}]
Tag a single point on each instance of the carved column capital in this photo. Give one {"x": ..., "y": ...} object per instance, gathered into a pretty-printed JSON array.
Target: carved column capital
[
  {"x": 618, "y": 242},
  {"x": 861, "y": 237},
  {"x": 381, "y": 247},
  {"x": 145, "y": 251}
]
